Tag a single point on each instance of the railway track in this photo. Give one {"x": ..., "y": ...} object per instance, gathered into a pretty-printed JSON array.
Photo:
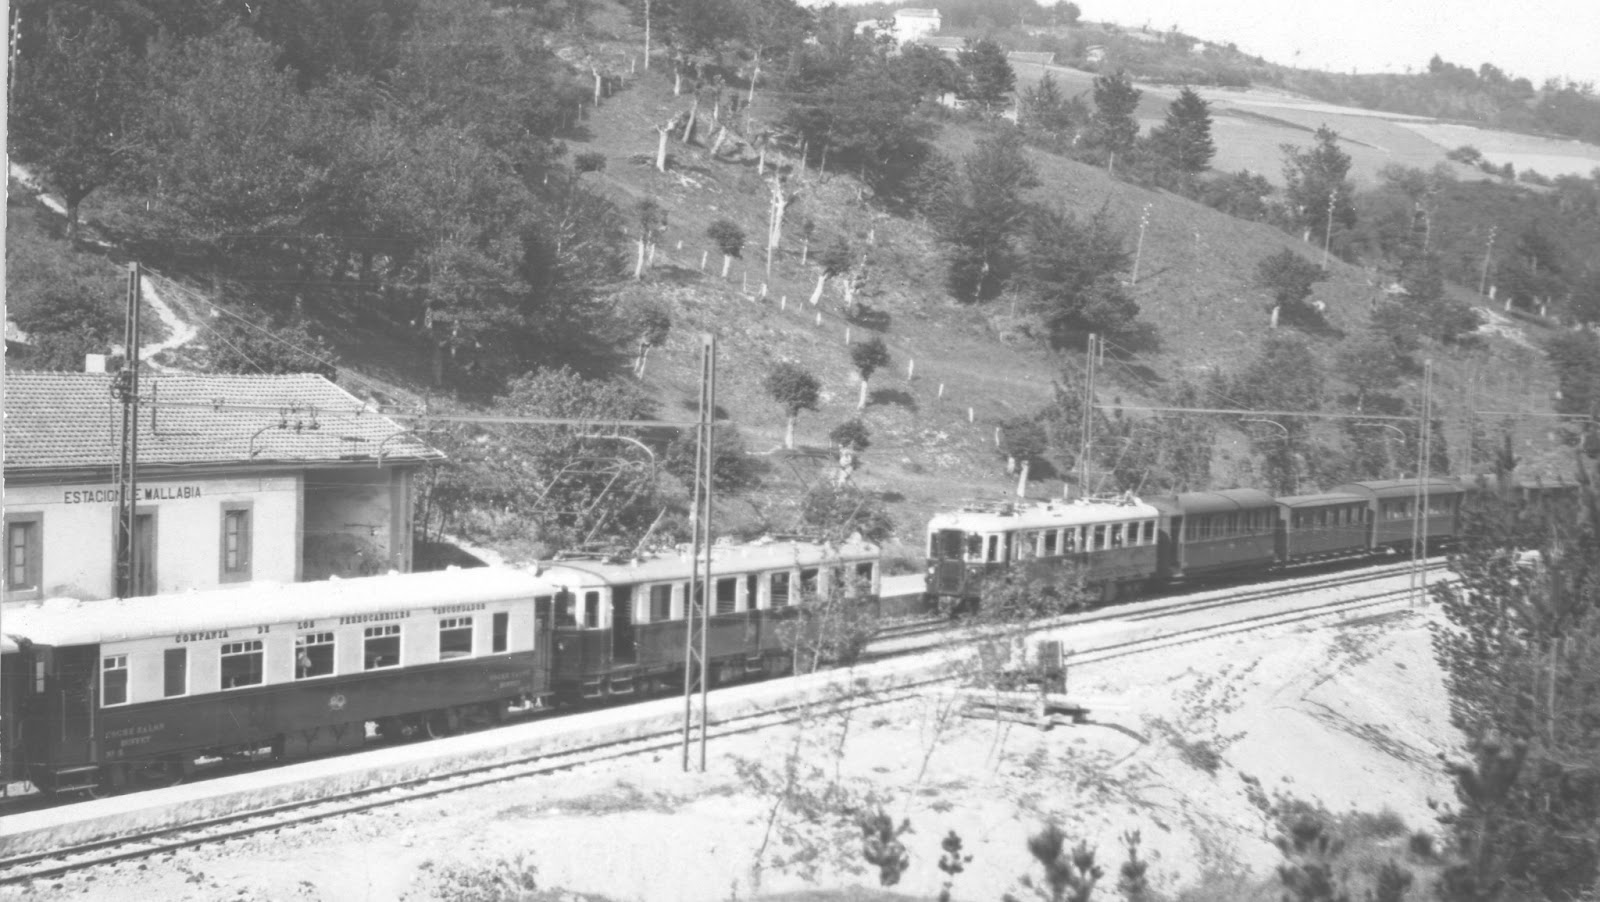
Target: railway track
[{"x": 32, "y": 867}]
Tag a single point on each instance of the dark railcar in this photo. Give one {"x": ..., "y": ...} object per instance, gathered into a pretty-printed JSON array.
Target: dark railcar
[
  {"x": 1330, "y": 524},
  {"x": 1215, "y": 532},
  {"x": 133, "y": 691},
  {"x": 1392, "y": 506}
]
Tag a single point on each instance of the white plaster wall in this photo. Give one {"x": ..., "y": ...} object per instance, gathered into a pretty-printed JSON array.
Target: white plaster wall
[
  {"x": 79, "y": 536},
  {"x": 356, "y": 523}
]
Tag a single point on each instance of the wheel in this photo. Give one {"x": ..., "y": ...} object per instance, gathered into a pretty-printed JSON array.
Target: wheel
[
  {"x": 158, "y": 774},
  {"x": 113, "y": 780},
  {"x": 439, "y": 724}
]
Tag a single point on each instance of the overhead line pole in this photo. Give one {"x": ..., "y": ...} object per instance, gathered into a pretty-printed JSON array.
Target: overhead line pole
[
  {"x": 695, "y": 609},
  {"x": 125, "y": 388},
  {"x": 1419, "y": 520}
]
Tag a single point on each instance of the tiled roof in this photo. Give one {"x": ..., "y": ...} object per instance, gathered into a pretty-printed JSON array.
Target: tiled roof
[{"x": 67, "y": 420}]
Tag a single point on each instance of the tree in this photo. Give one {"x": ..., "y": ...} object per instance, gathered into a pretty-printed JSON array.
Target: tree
[
  {"x": 729, "y": 238},
  {"x": 1183, "y": 141},
  {"x": 1045, "y": 109},
  {"x": 851, "y": 438},
  {"x": 1316, "y": 189},
  {"x": 986, "y": 76},
  {"x": 652, "y": 219},
  {"x": 650, "y": 321},
  {"x": 981, "y": 221},
  {"x": 1112, "y": 128},
  {"x": 1288, "y": 277},
  {"x": 837, "y": 511},
  {"x": 75, "y": 97},
  {"x": 1022, "y": 440},
  {"x": 794, "y": 389},
  {"x": 1284, "y": 375},
  {"x": 256, "y": 344},
  {"x": 868, "y": 357},
  {"x": 1069, "y": 276}
]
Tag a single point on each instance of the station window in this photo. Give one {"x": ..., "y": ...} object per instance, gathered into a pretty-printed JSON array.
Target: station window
[
  {"x": 243, "y": 664},
  {"x": 780, "y": 590},
  {"x": 114, "y": 681},
  {"x": 591, "y": 609},
  {"x": 313, "y": 655},
  {"x": 660, "y": 603},
  {"x": 500, "y": 639},
  {"x": 727, "y": 594},
  {"x": 175, "y": 672},
  {"x": 381, "y": 647},
  {"x": 235, "y": 547},
  {"x": 455, "y": 637},
  {"x": 24, "y": 543}
]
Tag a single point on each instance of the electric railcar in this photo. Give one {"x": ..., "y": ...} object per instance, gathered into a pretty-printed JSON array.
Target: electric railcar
[{"x": 1116, "y": 544}]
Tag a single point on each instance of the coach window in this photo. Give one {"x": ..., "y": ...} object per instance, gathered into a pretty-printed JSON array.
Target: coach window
[
  {"x": 780, "y": 590},
  {"x": 1027, "y": 545},
  {"x": 727, "y": 594},
  {"x": 175, "y": 672},
  {"x": 24, "y": 555},
  {"x": 1050, "y": 543},
  {"x": 313, "y": 655},
  {"x": 863, "y": 580},
  {"x": 993, "y": 545},
  {"x": 114, "y": 681},
  {"x": 808, "y": 582},
  {"x": 1072, "y": 540},
  {"x": 1116, "y": 535},
  {"x": 235, "y": 548},
  {"x": 661, "y": 603},
  {"x": 455, "y": 637},
  {"x": 382, "y": 647},
  {"x": 974, "y": 547},
  {"x": 500, "y": 633},
  {"x": 752, "y": 591},
  {"x": 1149, "y": 532},
  {"x": 566, "y": 609},
  {"x": 591, "y": 609},
  {"x": 243, "y": 663},
  {"x": 1099, "y": 539}
]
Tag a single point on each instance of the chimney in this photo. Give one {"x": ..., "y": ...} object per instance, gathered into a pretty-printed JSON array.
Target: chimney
[{"x": 94, "y": 363}]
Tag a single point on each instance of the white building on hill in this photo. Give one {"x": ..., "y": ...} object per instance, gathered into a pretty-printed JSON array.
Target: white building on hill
[{"x": 909, "y": 25}]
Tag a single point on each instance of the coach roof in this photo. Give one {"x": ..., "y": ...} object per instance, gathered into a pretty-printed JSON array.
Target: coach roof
[
  {"x": 66, "y": 621},
  {"x": 1223, "y": 502},
  {"x": 744, "y": 557},
  {"x": 1006, "y": 516}
]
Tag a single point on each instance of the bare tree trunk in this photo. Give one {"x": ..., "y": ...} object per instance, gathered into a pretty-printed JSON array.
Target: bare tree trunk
[{"x": 688, "y": 127}]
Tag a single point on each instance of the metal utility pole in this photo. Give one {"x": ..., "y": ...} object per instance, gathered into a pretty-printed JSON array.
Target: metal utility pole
[
  {"x": 696, "y": 610},
  {"x": 1088, "y": 415},
  {"x": 125, "y": 388},
  {"x": 1419, "y": 522}
]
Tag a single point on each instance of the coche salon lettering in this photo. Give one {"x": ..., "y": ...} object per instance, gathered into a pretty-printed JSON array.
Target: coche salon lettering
[{"x": 146, "y": 493}]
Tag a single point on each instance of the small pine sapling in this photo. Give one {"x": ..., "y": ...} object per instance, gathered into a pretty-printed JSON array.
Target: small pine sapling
[
  {"x": 1067, "y": 877},
  {"x": 952, "y": 862},
  {"x": 1132, "y": 882},
  {"x": 882, "y": 848}
]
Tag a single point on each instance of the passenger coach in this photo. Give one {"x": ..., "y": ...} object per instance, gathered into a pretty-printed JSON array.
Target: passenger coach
[
  {"x": 620, "y": 623},
  {"x": 126, "y": 692}
]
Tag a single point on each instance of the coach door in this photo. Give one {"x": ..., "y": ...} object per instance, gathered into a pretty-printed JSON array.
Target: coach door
[
  {"x": 543, "y": 640},
  {"x": 73, "y": 702},
  {"x": 948, "y": 547},
  {"x": 624, "y": 644}
]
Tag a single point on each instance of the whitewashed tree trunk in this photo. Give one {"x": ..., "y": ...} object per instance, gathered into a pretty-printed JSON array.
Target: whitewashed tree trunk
[
  {"x": 817, "y": 295},
  {"x": 688, "y": 127},
  {"x": 661, "y": 151},
  {"x": 638, "y": 267},
  {"x": 788, "y": 434},
  {"x": 861, "y": 403},
  {"x": 1022, "y": 481},
  {"x": 727, "y": 262}
]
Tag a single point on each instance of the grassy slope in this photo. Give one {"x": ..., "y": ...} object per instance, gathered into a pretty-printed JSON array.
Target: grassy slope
[{"x": 1194, "y": 285}]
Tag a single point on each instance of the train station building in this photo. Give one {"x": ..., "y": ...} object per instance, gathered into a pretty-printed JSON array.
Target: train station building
[{"x": 239, "y": 479}]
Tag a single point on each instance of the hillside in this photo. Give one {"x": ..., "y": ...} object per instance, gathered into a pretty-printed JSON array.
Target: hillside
[{"x": 956, "y": 369}]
